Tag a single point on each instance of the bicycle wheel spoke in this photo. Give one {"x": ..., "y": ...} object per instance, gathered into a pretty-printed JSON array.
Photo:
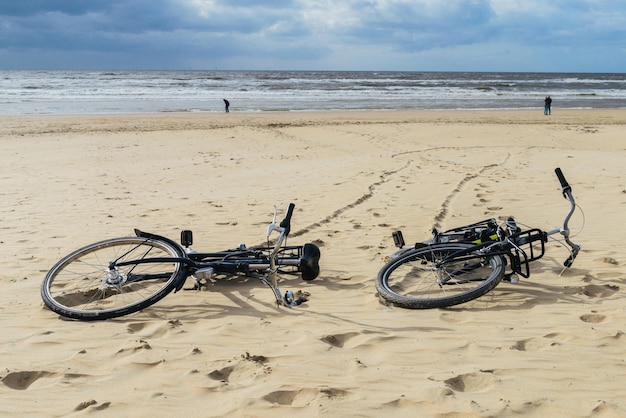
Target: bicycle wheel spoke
[
  {"x": 87, "y": 284},
  {"x": 431, "y": 277}
]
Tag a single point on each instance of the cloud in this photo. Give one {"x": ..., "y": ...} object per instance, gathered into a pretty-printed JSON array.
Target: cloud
[
  {"x": 35, "y": 7},
  {"x": 321, "y": 34}
]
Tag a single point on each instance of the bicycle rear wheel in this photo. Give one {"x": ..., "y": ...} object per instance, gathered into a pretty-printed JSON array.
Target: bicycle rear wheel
[
  {"x": 83, "y": 285},
  {"x": 419, "y": 279}
]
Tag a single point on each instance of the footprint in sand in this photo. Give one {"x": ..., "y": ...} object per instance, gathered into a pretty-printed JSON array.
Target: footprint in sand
[
  {"x": 153, "y": 329},
  {"x": 540, "y": 344},
  {"x": 598, "y": 290},
  {"x": 240, "y": 373},
  {"x": 282, "y": 397},
  {"x": 248, "y": 367},
  {"x": 402, "y": 402},
  {"x": 221, "y": 374},
  {"x": 609, "y": 260},
  {"x": 339, "y": 340},
  {"x": 23, "y": 380},
  {"x": 304, "y": 396},
  {"x": 135, "y": 346},
  {"x": 534, "y": 344},
  {"x": 472, "y": 382},
  {"x": 356, "y": 339},
  {"x": 605, "y": 409},
  {"x": 334, "y": 393},
  {"x": 592, "y": 318},
  {"x": 87, "y": 404},
  {"x": 615, "y": 341}
]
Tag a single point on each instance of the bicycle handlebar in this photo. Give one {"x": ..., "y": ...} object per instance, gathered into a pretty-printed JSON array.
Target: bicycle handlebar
[
  {"x": 283, "y": 229},
  {"x": 567, "y": 193}
]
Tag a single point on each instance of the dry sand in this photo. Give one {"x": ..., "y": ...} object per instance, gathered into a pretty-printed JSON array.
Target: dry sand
[{"x": 549, "y": 346}]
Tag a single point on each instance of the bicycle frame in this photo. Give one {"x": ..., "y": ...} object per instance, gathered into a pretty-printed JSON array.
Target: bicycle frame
[
  {"x": 465, "y": 263},
  {"x": 507, "y": 240},
  {"x": 240, "y": 260}
]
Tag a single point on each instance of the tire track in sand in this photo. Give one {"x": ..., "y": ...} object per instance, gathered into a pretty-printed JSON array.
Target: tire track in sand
[
  {"x": 384, "y": 177},
  {"x": 443, "y": 212}
]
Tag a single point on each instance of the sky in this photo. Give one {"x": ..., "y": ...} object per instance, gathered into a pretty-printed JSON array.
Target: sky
[{"x": 369, "y": 35}]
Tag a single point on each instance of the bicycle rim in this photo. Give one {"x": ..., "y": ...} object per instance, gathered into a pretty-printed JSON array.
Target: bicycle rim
[
  {"x": 82, "y": 285},
  {"x": 418, "y": 279}
]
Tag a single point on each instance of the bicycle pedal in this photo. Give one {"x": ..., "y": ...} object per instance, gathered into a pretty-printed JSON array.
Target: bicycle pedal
[
  {"x": 186, "y": 238},
  {"x": 398, "y": 239}
]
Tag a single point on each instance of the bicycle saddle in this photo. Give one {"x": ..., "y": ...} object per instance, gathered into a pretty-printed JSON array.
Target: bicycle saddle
[{"x": 309, "y": 263}]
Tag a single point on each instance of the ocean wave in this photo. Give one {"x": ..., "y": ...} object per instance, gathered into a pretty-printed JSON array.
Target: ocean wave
[{"x": 59, "y": 92}]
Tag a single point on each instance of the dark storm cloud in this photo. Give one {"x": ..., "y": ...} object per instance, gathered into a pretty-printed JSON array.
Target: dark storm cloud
[{"x": 303, "y": 33}]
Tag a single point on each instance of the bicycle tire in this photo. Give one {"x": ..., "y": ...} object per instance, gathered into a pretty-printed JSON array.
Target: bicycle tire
[
  {"x": 412, "y": 280},
  {"x": 81, "y": 285}
]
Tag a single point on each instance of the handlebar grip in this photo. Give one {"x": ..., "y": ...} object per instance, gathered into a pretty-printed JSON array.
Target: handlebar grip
[
  {"x": 572, "y": 256},
  {"x": 561, "y": 177},
  {"x": 286, "y": 223},
  {"x": 564, "y": 184}
]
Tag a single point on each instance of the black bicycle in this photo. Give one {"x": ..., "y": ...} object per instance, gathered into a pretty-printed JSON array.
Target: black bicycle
[
  {"x": 464, "y": 263},
  {"x": 120, "y": 276}
]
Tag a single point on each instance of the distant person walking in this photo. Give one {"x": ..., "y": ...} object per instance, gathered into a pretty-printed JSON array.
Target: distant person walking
[
  {"x": 547, "y": 105},
  {"x": 226, "y": 104}
]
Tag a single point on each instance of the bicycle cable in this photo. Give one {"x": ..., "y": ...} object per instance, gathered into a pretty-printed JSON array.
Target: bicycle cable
[
  {"x": 582, "y": 213},
  {"x": 571, "y": 235}
]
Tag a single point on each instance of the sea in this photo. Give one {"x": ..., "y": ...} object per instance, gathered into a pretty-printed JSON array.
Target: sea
[{"x": 120, "y": 92}]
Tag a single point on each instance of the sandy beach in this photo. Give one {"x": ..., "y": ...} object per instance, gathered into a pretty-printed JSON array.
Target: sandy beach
[{"x": 552, "y": 345}]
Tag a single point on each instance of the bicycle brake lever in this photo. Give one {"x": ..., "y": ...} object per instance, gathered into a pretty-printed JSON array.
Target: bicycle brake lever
[{"x": 272, "y": 226}]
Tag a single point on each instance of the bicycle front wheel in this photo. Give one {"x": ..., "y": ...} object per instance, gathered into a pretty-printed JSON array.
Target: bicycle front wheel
[
  {"x": 421, "y": 279},
  {"x": 89, "y": 284}
]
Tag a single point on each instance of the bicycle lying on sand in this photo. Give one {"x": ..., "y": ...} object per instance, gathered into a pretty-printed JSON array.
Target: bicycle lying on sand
[
  {"x": 464, "y": 263},
  {"x": 120, "y": 276}
]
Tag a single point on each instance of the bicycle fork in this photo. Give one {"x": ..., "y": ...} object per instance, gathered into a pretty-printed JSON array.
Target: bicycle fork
[{"x": 289, "y": 298}]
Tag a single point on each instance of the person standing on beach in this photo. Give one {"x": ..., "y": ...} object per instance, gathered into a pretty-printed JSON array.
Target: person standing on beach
[
  {"x": 226, "y": 104},
  {"x": 547, "y": 108}
]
